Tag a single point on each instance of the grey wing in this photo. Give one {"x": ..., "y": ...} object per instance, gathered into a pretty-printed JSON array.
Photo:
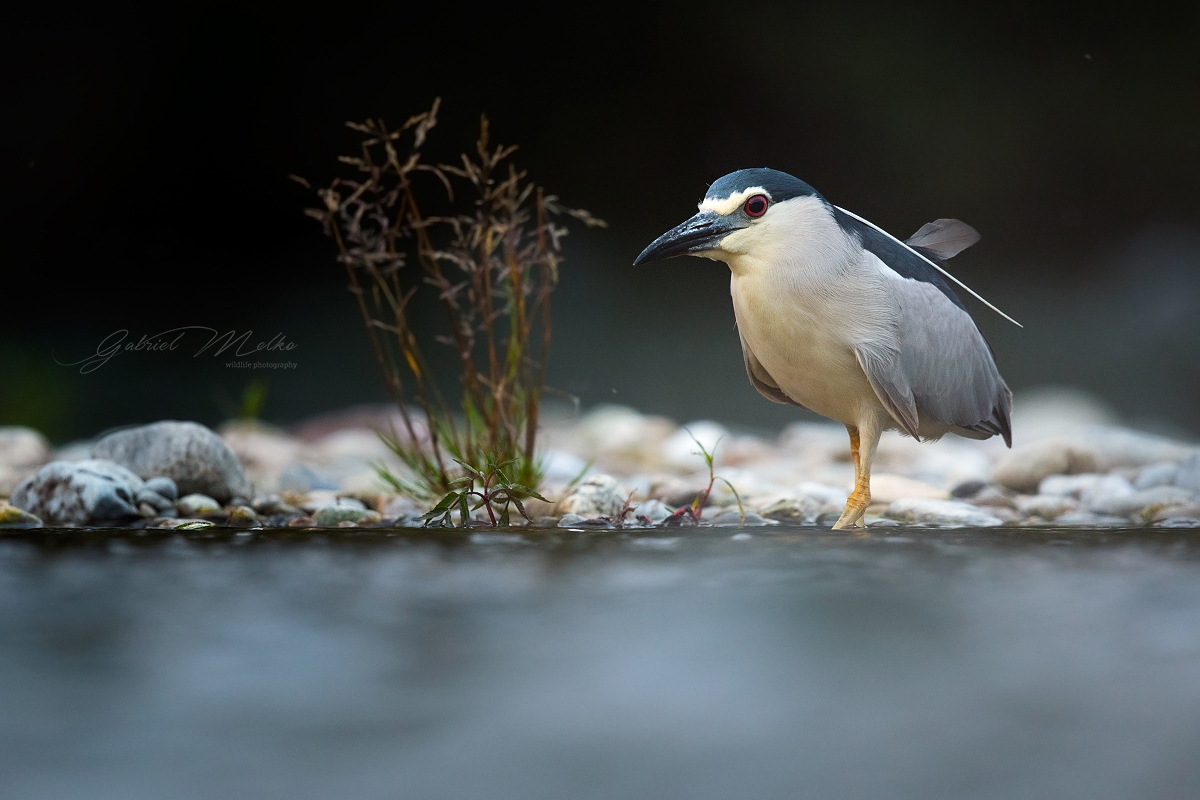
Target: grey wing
[
  {"x": 761, "y": 380},
  {"x": 943, "y": 371}
]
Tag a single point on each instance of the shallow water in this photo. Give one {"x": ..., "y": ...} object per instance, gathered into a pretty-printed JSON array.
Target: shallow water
[{"x": 917, "y": 664}]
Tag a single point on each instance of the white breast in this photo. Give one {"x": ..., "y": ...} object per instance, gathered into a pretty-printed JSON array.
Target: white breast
[{"x": 804, "y": 297}]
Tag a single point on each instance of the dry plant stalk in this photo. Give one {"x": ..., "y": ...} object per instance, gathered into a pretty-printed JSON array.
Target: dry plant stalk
[{"x": 492, "y": 262}]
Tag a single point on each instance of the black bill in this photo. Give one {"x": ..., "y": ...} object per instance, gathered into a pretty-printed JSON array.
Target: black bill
[{"x": 700, "y": 233}]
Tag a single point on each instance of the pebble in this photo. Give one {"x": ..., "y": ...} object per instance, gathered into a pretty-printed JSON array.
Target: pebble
[
  {"x": 731, "y": 518},
  {"x": 1182, "y": 512},
  {"x": 594, "y": 496},
  {"x": 318, "y": 500},
  {"x": 73, "y": 493},
  {"x": 1125, "y": 505},
  {"x": 1047, "y": 506},
  {"x": 272, "y": 504},
  {"x": 1179, "y": 522},
  {"x": 242, "y": 517},
  {"x": 331, "y": 516},
  {"x": 158, "y": 502},
  {"x": 926, "y": 511},
  {"x": 186, "y": 524},
  {"x": 1087, "y": 488},
  {"x": 195, "y": 458},
  {"x": 164, "y": 487},
  {"x": 654, "y": 511},
  {"x": 198, "y": 505},
  {"x": 967, "y": 489},
  {"x": 1026, "y": 466}
]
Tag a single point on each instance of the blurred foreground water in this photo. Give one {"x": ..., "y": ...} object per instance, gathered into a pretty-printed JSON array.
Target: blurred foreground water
[{"x": 933, "y": 664}]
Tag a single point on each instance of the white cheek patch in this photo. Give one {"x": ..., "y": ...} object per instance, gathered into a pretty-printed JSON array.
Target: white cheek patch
[{"x": 726, "y": 206}]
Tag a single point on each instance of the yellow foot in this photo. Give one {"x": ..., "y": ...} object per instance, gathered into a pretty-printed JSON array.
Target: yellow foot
[{"x": 851, "y": 517}]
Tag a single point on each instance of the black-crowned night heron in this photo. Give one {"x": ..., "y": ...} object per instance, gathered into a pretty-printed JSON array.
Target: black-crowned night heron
[{"x": 842, "y": 318}]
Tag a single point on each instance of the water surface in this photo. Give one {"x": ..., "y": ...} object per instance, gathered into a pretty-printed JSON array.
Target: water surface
[{"x": 916, "y": 664}]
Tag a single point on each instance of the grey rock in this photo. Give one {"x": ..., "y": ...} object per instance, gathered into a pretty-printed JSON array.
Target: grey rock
[
  {"x": 1188, "y": 476},
  {"x": 163, "y": 486},
  {"x": 75, "y": 493},
  {"x": 654, "y": 511},
  {"x": 1124, "y": 505},
  {"x": 13, "y": 517},
  {"x": 571, "y": 520},
  {"x": 198, "y": 505},
  {"x": 927, "y": 511},
  {"x": 1161, "y": 474},
  {"x": 153, "y": 499},
  {"x": 333, "y": 515},
  {"x": 1026, "y": 466},
  {"x": 595, "y": 496},
  {"x": 187, "y": 452}
]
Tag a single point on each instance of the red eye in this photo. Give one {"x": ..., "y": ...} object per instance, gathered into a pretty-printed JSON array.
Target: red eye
[{"x": 756, "y": 206}]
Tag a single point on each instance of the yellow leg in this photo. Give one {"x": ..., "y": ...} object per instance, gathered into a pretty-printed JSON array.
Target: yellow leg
[{"x": 860, "y": 498}]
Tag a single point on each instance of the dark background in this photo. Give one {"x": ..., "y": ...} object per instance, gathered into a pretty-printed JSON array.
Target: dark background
[{"x": 146, "y": 154}]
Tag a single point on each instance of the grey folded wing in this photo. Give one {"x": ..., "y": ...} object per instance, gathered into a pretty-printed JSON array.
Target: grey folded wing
[
  {"x": 761, "y": 380},
  {"x": 943, "y": 371}
]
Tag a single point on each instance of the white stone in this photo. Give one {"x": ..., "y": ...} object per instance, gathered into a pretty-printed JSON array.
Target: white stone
[
  {"x": 1124, "y": 505},
  {"x": 926, "y": 511},
  {"x": 1047, "y": 506},
  {"x": 594, "y": 496},
  {"x": 1160, "y": 474},
  {"x": 1088, "y": 488},
  {"x": 1188, "y": 476},
  {"x": 1025, "y": 466},
  {"x": 653, "y": 510}
]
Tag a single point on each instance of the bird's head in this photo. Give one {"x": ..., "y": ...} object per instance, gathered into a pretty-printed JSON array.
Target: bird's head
[{"x": 741, "y": 209}]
